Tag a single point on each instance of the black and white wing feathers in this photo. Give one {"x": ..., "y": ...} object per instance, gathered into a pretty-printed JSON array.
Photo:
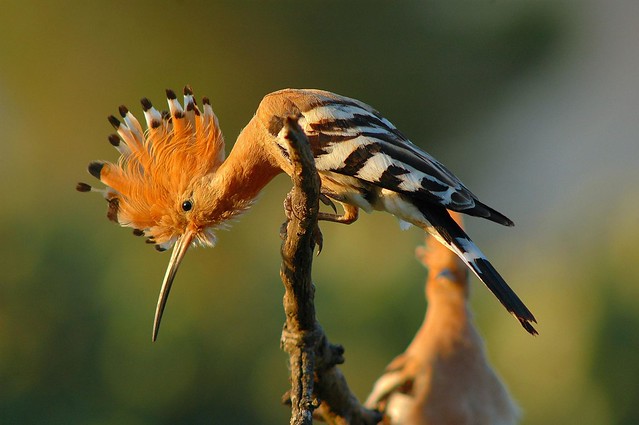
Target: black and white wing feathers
[
  {"x": 365, "y": 161},
  {"x": 350, "y": 138}
]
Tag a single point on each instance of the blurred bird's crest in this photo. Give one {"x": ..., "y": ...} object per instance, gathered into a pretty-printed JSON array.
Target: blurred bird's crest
[{"x": 150, "y": 188}]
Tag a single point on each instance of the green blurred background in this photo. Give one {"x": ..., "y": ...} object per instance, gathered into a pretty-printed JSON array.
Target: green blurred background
[{"x": 533, "y": 104}]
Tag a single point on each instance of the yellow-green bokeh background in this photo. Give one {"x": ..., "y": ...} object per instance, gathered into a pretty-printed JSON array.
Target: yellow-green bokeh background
[{"x": 533, "y": 104}]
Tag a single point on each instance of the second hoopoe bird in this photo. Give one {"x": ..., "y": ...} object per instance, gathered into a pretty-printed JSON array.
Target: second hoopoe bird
[{"x": 173, "y": 185}]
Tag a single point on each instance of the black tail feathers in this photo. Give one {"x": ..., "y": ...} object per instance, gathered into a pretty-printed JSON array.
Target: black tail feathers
[{"x": 457, "y": 241}]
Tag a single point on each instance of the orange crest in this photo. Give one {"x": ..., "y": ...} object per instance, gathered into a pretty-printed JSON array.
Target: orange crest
[{"x": 150, "y": 188}]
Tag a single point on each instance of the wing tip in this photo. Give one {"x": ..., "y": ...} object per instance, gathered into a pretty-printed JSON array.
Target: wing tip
[{"x": 484, "y": 211}]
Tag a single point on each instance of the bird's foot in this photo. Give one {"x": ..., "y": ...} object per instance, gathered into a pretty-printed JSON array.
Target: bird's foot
[
  {"x": 318, "y": 239},
  {"x": 328, "y": 201},
  {"x": 317, "y": 236}
]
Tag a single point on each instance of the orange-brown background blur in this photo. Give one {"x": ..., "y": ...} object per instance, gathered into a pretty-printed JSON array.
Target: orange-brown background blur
[{"x": 535, "y": 105}]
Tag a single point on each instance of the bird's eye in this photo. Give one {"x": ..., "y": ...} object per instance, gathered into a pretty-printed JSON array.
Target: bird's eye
[{"x": 187, "y": 205}]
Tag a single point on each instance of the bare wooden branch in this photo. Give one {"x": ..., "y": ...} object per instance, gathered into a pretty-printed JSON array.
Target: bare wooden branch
[
  {"x": 444, "y": 375},
  {"x": 316, "y": 382}
]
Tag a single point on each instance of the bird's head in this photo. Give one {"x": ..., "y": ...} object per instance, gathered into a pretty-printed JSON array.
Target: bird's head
[{"x": 160, "y": 184}]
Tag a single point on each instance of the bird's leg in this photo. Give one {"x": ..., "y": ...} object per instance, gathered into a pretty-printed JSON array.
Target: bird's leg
[{"x": 349, "y": 216}]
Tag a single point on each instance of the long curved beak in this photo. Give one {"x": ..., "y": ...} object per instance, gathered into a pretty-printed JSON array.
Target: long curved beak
[{"x": 179, "y": 249}]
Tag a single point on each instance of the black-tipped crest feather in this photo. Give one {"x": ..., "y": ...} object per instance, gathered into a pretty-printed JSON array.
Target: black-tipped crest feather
[{"x": 95, "y": 168}]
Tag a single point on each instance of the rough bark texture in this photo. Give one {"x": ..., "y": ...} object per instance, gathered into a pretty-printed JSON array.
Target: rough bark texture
[{"x": 317, "y": 385}]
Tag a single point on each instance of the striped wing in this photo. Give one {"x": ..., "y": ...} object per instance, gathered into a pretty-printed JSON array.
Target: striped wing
[{"x": 350, "y": 138}]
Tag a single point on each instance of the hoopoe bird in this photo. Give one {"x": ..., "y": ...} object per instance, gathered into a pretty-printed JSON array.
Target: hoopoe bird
[
  {"x": 444, "y": 376},
  {"x": 173, "y": 184}
]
